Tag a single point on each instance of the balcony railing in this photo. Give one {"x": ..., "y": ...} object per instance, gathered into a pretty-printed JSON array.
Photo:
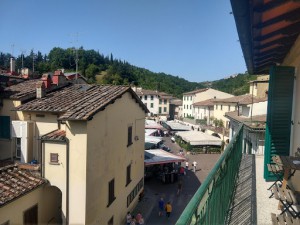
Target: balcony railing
[{"x": 211, "y": 202}]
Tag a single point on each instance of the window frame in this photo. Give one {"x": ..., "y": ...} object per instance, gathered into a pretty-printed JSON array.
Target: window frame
[
  {"x": 129, "y": 136},
  {"x": 128, "y": 175},
  {"x": 111, "y": 192},
  {"x": 54, "y": 158},
  {"x": 151, "y": 105}
]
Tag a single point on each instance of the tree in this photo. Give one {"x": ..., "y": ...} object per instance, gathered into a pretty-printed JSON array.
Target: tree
[{"x": 91, "y": 72}]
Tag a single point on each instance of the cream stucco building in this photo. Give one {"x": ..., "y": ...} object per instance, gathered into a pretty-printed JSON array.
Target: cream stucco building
[
  {"x": 158, "y": 103},
  {"x": 190, "y": 98},
  {"x": 89, "y": 141}
]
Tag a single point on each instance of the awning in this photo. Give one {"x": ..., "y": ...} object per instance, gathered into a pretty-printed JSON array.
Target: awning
[
  {"x": 158, "y": 156},
  {"x": 199, "y": 138}
]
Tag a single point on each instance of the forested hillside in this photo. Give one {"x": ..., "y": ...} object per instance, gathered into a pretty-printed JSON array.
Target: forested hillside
[{"x": 98, "y": 68}]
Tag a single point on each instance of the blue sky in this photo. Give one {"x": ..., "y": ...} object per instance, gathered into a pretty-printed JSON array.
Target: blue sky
[{"x": 195, "y": 39}]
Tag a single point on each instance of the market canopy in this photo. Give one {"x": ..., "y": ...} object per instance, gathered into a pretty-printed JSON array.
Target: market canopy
[
  {"x": 158, "y": 156},
  {"x": 174, "y": 126},
  {"x": 199, "y": 138}
]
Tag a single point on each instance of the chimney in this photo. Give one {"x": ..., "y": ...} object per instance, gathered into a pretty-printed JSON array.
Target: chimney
[
  {"x": 12, "y": 64},
  {"x": 58, "y": 77},
  {"x": 40, "y": 89},
  {"x": 46, "y": 78}
]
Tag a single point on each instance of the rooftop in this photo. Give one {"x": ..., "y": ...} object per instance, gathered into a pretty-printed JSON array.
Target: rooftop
[
  {"x": 27, "y": 90},
  {"x": 242, "y": 99},
  {"x": 195, "y": 91},
  {"x": 256, "y": 122},
  {"x": 164, "y": 95},
  {"x": 208, "y": 102},
  {"x": 15, "y": 182},
  {"x": 79, "y": 101},
  {"x": 56, "y": 135}
]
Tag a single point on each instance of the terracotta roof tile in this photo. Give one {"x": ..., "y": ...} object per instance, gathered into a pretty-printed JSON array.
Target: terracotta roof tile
[
  {"x": 56, "y": 135},
  {"x": 195, "y": 91},
  {"x": 241, "y": 99},
  {"x": 208, "y": 102},
  {"x": 142, "y": 92},
  {"x": 15, "y": 182},
  {"x": 27, "y": 90},
  {"x": 257, "y": 122},
  {"x": 79, "y": 101}
]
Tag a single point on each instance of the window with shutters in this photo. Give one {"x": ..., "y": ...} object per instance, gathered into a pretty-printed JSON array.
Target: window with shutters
[{"x": 279, "y": 115}]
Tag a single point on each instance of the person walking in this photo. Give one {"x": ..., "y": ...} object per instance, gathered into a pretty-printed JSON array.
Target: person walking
[
  {"x": 179, "y": 185},
  {"x": 132, "y": 222},
  {"x": 128, "y": 218},
  {"x": 161, "y": 205},
  {"x": 138, "y": 218},
  {"x": 195, "y": 166},
  {"x": 168, "y": 209},
  {"x": 186, "y": 165}
]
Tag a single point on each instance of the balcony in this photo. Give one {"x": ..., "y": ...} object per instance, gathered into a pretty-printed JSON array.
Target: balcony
[{"x": 234, "y": 192}]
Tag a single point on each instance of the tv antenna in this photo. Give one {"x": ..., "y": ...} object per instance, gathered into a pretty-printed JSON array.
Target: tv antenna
[{"x": 76, "y": 54}]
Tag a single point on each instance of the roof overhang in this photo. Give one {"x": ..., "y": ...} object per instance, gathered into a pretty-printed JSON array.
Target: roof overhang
[{"x": 267, "y": 30}]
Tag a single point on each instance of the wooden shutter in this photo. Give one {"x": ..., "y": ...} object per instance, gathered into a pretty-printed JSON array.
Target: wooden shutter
[{"x": 278, "y": 127}]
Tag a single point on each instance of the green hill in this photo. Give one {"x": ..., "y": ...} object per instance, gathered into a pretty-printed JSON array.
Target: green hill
[{"x": 101, "y": 69}]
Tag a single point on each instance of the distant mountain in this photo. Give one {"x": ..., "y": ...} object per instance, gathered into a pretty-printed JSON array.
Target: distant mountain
[{"x": 101, "y": 69}]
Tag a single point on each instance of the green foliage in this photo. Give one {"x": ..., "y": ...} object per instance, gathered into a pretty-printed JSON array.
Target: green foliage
[
  {"x": 236, "y": 85},
  {"x": 115, "y": 71},
  {"x": 218, "y": 123}
]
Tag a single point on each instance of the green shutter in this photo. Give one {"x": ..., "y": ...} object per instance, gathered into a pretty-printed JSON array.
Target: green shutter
[
  {"x": 278, "y": 127},
  {"x": 5, "y": 127}
]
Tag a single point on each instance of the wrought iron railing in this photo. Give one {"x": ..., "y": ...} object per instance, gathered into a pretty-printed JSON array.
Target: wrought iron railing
[{"x": 211, "y": 202}]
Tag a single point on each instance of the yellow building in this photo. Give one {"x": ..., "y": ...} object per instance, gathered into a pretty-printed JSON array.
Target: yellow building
[
  {"x": 26, "y": 198},
  {"x": 90, "y": 142}
]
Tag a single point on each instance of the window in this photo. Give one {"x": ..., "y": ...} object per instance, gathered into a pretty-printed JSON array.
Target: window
[
  {"x": 165, "y": 101},
  {"x": 165, "y": 109},
  {"x": 221, "y": 107},
  {"x": 160, "y": 101},
  {"x": 183, "y": 114},
  {"x": 129, "y": 141},
  {"x": 5, "y": 127},
  {"x": 184, "y": 106},
  {"x": 111, "y": 221},
  {"x": 191, "y": 98},
  {"x": 190, "y": 106},
  {"x": 151, "y": 97},
  {"x": 229, "y": 108},
  {"x": 18, "y": 148},
  {"x": 151, "y": 105},
  {"x": 159, "y": 110},
  {"x": 216, "y": 107},
  {"x": 111, "y": 192},
  {"x": 30, "y": 216},
  {"x": 53, "y": 158},
  {"x": 145, "y": 97},
  {"x": 128, "y": 175}
]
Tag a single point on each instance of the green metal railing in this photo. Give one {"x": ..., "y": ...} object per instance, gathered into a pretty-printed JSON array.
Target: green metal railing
[{"x": 210, "y": 204}]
